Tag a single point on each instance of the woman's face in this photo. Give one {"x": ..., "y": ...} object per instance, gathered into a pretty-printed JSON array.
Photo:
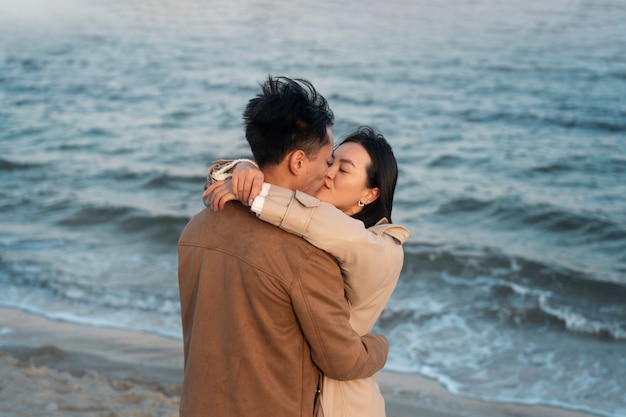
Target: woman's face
[{"x": 345, "y": 183}]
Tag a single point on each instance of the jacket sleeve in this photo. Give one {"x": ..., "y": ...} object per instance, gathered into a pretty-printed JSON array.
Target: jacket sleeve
[
  {"x": 323, "y": 313},
  {"x": 363, "y": 254}
]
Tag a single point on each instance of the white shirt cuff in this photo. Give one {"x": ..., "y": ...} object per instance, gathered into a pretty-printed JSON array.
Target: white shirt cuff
[{"x": 259, "y": 200}]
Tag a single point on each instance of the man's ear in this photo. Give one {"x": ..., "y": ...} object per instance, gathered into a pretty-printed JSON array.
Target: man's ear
[{"x": 296, "y": 161}]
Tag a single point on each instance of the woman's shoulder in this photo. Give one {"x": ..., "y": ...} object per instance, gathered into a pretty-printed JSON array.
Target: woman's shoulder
[{"x": 398, "y": 232}]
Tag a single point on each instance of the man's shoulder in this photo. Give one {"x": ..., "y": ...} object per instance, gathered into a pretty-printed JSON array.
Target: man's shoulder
[
  {"x": 207, "y": 222},
  {"x": 238, "y": 225}
]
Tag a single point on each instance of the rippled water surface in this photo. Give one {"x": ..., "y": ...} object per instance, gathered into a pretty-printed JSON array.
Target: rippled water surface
[{"x": 508, "y": 120}]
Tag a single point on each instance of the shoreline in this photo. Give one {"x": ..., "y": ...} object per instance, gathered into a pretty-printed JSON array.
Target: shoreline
[{"x": 58, "y": 368}]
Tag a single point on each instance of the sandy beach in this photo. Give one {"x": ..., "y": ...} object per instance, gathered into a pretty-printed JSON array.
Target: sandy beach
[{"x": 50, "y": 368}]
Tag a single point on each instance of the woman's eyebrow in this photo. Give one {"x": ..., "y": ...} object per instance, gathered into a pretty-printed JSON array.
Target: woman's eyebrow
[{"x": 347, "y": 161}]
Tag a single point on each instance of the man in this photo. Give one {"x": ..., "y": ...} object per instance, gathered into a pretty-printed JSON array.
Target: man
[{"x": 263, "y": 311}]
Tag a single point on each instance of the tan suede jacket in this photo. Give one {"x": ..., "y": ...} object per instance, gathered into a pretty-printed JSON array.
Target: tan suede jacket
[
  {"x": 263, "y": 312},
  {"x": 371, "y": 261}
]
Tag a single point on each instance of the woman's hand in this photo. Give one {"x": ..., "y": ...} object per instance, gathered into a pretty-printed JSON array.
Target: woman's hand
[
  {"x": 244, "y": 186},
  {"x": 247, "y": 182},
  {"x": 222, "y": 194}
]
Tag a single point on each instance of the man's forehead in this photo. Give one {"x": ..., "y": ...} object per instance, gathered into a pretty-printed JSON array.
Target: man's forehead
[{"x": 331, "y": 137}]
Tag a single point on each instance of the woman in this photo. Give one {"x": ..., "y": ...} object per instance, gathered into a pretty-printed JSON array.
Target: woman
[{"x": 360, "y": 184}]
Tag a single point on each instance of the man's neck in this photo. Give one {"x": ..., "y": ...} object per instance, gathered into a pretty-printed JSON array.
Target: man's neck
[{"x": 279, "y": 175}]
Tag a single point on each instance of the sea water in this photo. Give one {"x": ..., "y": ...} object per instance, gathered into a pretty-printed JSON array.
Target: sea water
[{"x": 508, "y": 120}]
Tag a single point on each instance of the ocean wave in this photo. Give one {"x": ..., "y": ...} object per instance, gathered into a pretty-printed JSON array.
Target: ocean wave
[
  {"x": 523, "y": 306},
  {"x": 25, "y": 282},
  {"x": 512, "y": 213},
  {"x": 154, "y": 179},
  {"x": 25, "y": 132},
  {"x": 8, "y": 165},
  {"x": 89, "y": 216},
  {"x": 556, "y": 219},
  {"x": 557, "y": 167},
  {"x": 579, "y": 165},
  {"x": 578, "y": 322},
  {"x": 123, "y": 320},
  {"x": 159, "y": 228},
  {"x": 169, "y": 180},
  {"x": 520, "y": 292},
  {"x": 461, "y": 205},
  {"x": 179, "y": 115},
  {"x": 604, "y": 124},
  {"x": 454, "y": 161},
  {"x": 31, "y": 275}
]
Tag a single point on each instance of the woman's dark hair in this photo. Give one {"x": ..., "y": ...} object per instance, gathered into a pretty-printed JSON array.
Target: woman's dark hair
[
  {"x": 288, "y": 115},
  {"x": 382, "y": 173}
]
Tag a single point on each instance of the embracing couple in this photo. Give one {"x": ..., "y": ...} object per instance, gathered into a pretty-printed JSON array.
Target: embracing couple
[{"x": 280, "y": 289}]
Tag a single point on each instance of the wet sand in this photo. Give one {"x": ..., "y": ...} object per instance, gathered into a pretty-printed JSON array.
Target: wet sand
[{"x": 51, "y": 368}]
